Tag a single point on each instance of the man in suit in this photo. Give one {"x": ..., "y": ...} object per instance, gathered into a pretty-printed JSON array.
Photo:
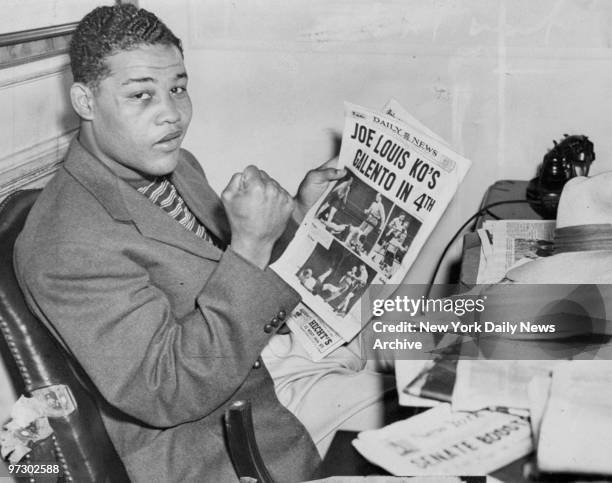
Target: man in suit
[{"x": 160, "y": 289}]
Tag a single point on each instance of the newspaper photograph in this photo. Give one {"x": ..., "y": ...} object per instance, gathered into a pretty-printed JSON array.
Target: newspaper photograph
[
  {"x": 443, "y": 442},
  {"x": 370, "y": 225},
  {"x": 505, "y": 243}
]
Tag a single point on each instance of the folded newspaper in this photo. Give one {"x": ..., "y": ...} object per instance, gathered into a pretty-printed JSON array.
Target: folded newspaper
[
  {"x": 370, "y": 225},
  {"x": 506, "y": 243},
  {"x": 442, "y": 442}
]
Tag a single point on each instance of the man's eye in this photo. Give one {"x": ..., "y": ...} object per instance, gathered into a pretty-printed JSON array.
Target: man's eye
[
  {"x": 178, "y": 90},
  {"x": 141, "y": 96}
]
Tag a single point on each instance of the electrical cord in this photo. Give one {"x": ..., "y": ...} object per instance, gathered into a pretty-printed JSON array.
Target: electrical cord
[{"x": 481, "y": 211}]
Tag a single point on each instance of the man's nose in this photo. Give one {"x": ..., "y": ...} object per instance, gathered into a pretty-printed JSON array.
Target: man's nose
[{"x": 169, "y": 112}]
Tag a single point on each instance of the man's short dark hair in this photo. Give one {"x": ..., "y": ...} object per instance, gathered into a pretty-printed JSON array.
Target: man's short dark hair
[{"x": 107, "y": 30}]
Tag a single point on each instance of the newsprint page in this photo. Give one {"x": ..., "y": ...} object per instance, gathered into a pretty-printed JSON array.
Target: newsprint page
[{"x": 370, "y": 225}]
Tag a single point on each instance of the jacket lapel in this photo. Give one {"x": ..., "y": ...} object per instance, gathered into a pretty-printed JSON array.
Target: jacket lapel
[
  {"x": 201, "y": 199},
  {"x": 156, "y": 224},
  {"x": 125, "y": 204}
]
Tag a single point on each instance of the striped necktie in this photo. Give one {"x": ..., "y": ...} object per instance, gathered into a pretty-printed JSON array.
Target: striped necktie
[{"x": 163, "y": 193}]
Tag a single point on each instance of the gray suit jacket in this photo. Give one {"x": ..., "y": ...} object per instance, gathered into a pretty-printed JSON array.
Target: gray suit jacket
[{"x": 167, "y": 326}]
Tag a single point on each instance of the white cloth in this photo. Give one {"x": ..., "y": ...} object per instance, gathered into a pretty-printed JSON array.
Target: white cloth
[{"x": 340, "y": 392}]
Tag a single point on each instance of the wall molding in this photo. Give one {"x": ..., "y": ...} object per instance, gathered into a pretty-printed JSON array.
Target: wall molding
[
  {"x": 38, "y": 43},
  {"x": 31, "y": 166},
  {"x": 34, "y": 71},
  {"x": 30, "y": 45}
]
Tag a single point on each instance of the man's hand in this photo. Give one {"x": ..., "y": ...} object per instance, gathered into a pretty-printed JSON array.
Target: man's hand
[
  {"x": 258, "y": 209},
  {"x": 313, "y": 185}
]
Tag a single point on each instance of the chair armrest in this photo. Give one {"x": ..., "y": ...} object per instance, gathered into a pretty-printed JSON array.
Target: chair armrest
[{"x": 242, "y": 444}]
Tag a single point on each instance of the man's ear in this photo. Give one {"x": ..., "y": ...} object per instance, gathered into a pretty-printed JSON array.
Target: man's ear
[{"x": 82, "y": 99}]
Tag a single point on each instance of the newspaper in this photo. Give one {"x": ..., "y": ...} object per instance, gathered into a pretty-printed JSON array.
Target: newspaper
[
  {"x": 575, "y": 435},
  {"x": 442, "y": 442},
  {"x": 475, "y": 378},
  {"x": 370, "y": 225},
  {"x": 506, "y": 243}
]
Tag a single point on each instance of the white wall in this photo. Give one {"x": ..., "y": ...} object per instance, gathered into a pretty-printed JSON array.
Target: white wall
[{"x": 18, "y": 15}]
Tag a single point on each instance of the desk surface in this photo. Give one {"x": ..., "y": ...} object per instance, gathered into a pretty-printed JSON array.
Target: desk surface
[{"x": 503, "y": 191}]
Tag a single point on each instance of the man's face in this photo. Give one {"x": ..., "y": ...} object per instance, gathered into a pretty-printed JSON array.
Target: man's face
[{"x": 142, "y": 110}]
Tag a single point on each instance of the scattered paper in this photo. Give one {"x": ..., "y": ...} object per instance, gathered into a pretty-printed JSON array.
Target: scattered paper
[
  {"x": 576, "y": 428},
  {"x": 497, "y": 384},
  {"x": 442, "y": 442},
  {"x": 28, "y": 425}
]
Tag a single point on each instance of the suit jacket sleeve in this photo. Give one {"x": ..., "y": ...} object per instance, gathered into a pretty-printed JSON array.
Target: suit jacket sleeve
[{"x": 159, "y": 368}]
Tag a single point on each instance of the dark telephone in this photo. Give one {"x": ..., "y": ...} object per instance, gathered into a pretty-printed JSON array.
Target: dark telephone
[{"x": 570, "y": 157}]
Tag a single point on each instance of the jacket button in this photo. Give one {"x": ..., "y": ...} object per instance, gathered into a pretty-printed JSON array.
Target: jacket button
[
  {"x": 257, "y": 364},
  {"x": 275, "y": 322},
  {"x": 282, "y": 314},
  {"x": 268, "y": 328}
]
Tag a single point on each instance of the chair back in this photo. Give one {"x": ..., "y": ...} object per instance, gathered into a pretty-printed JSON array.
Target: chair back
[{"x": 35, "y": 360}]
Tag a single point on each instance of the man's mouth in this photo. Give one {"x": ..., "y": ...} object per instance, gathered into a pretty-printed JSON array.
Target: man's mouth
[
  {"x": 170, "y": 137},
  {"x": 170, "y": 142}
]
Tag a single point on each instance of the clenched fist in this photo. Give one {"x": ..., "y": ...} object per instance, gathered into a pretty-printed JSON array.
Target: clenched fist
[{"x": 258, "y": 209}]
